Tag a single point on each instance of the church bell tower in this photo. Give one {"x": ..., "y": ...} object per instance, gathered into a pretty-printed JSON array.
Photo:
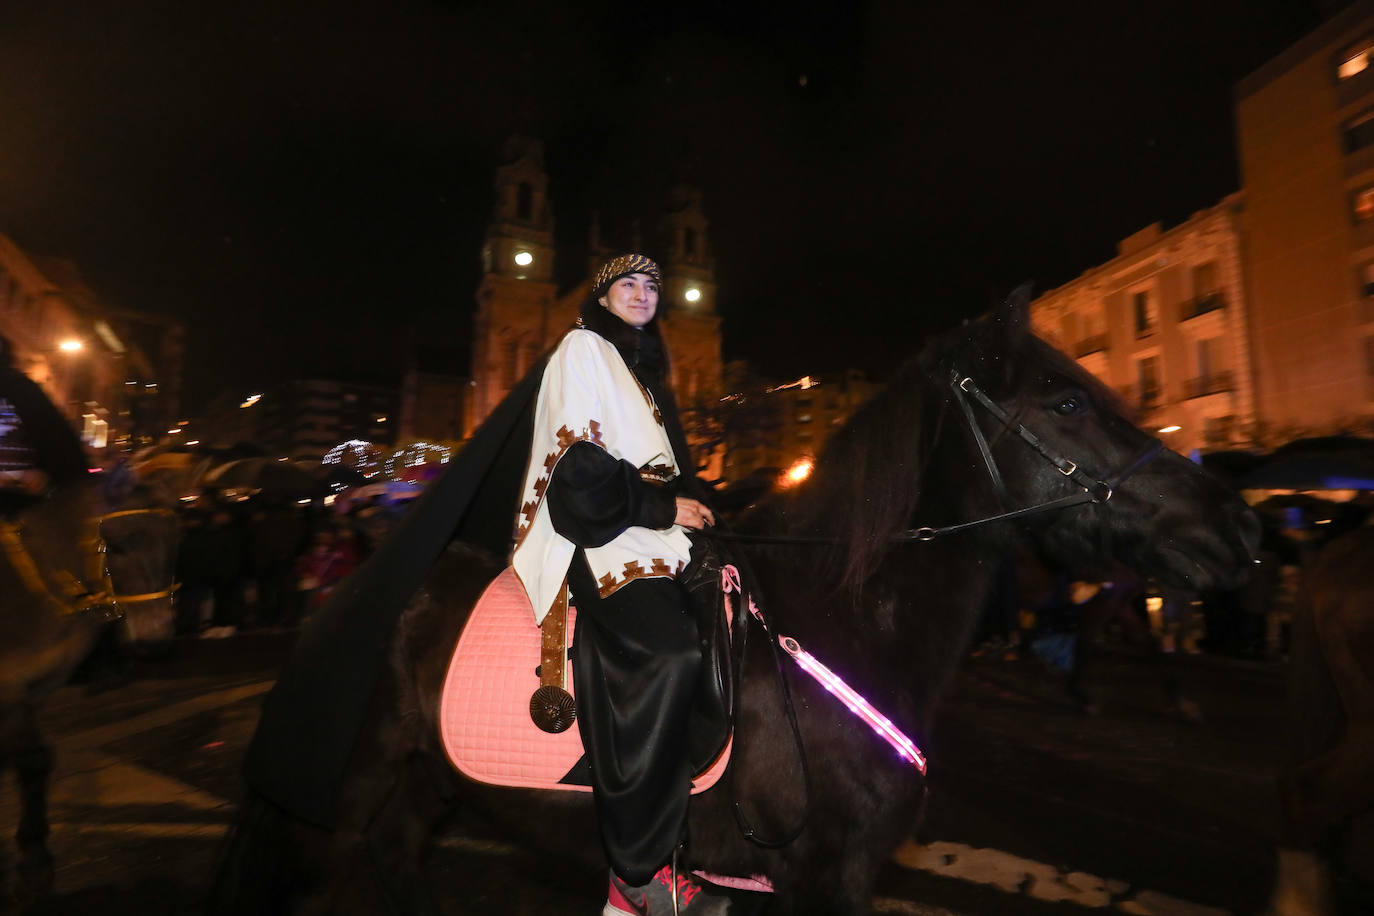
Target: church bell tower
[{"x": 514, "y": 299}]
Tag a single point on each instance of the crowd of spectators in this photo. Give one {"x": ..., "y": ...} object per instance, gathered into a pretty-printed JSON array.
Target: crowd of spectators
[{"x": 260, "y": 562}]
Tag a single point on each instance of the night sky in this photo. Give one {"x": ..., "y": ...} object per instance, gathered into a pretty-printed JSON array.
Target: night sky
[{"x": 300, "y": 180}]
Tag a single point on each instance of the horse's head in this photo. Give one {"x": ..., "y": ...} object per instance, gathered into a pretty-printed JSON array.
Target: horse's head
[{"x": 1164, "y": 516}]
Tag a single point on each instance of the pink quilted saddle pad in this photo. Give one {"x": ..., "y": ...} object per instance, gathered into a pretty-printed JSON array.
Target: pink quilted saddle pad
[{"x": 484, "y": 712}]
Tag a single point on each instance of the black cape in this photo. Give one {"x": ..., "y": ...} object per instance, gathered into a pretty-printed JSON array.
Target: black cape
[{"x": 313, "y": 715}]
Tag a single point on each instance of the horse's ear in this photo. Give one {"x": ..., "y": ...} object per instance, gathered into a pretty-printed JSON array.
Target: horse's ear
[
  {"x": 1004, "y": 327},
  {"x": 1016, "y": 310}
]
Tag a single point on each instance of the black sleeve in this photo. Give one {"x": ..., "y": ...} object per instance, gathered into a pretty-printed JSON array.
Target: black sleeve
[{"x": 593, "y": 497}]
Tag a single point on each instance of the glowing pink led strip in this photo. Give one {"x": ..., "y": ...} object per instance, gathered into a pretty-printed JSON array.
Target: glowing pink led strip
[{"x": 904, "y": 746}]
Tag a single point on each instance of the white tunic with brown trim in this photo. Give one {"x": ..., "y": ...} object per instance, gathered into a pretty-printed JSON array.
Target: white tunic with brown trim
[{"x": 589, "y": 395}]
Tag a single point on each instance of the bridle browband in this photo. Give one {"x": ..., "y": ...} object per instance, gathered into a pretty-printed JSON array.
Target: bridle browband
[{"x": 1092, "y": 489}]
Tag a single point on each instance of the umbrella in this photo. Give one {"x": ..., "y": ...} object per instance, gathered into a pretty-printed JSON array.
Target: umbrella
[
  {"x": 1314, "y": 465},
  {"x": 273, "y": 479}
]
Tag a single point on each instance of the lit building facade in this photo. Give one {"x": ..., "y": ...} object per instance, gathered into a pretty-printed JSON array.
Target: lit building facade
[
  {"x": 521, "y": 313},
  {"x": 778, "y": 425},
  {"x": 88, "y": 357},
  {"x": 1164, "y": 323},
  {"x": 306, "y": 418},
  {"x": 1305, "y": 138}
]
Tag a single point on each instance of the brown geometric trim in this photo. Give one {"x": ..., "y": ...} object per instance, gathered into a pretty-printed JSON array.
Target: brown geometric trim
[
  {"x": 608, "y": 584},
  {"x": 566, "y": 439},
  {"x": 658, "y": 474},
  {"x": 648, "y": 399}
]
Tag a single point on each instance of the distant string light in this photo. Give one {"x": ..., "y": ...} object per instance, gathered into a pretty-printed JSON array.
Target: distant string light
[
  {"x": 414, "y": 455},
  {"x": 361, "y": 455}
]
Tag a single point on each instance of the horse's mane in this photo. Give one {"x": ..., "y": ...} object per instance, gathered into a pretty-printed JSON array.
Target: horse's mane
[{"x": 869, "y": 475}]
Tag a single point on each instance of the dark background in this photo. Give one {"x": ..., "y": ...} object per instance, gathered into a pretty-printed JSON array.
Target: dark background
[{"x": 300, "y": 180}]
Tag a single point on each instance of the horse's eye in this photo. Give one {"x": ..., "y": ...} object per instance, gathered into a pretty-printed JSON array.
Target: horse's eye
[{"x": 1069, "y": 405}]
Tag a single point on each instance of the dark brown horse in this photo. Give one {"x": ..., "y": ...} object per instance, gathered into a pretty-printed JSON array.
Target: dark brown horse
[
  {"x": 70, "y": 567},
  {"x": 1328, "y": 785},
  {"x": 890, "y": 613}
]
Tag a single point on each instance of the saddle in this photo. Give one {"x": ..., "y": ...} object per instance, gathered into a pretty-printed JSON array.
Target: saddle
[{"x": 507, "y": 708}]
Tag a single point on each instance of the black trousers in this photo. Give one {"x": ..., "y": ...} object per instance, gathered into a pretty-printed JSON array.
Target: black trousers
[{"x": 636, "y": 664}]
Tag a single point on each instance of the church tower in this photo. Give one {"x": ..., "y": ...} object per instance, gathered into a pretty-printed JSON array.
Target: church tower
[
  {"x": 691, "y": 325},
  {"x": 512, "y": 324},
  {"x": 689, "y": 300}
]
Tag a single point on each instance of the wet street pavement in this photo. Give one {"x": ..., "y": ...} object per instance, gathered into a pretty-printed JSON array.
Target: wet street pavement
[{"x": 1035, "y": 808}]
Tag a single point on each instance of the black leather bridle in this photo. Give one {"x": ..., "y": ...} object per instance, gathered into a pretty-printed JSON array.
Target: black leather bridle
[{"x": 1091, "y": 489}]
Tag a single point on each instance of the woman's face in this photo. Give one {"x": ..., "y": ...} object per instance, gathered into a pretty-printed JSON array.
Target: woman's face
[{"x": 633, "y": 299}]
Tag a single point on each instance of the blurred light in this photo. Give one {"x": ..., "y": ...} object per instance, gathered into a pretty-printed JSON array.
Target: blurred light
[
  {"x": 381, "y": 419},
  {"x": 251, "y": 400},
  {"x": 692, "y": 294},
  {"x": 194, "y": 442},
  {"x": 173, "y": 431},
  {"x": 302, "y": 502},
  {"x": 524, "y": 258},
  {"x": 1355, "y": 63},
  {"x": 799, "y": 471},
  {"x": 70, "y": 345},
  {"x": 1170, "y": 429}
]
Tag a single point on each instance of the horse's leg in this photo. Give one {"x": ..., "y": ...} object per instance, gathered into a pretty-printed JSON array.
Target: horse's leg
[
  {"x": 1338, "y": 783},
  {"x": 33, "y": 761}
]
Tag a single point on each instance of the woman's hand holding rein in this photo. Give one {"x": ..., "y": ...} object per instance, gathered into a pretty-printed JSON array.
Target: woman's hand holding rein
[{"x": 693, "y": 514}]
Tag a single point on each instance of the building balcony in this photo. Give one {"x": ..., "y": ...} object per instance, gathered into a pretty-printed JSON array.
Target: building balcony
[
  {"x": 1213, "y": 383},
  {"x": 1210, "y": 302},
  {"x": 1094, "y": 344}
]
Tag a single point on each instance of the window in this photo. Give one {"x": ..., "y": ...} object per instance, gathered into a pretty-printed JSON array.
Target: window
[
  {"x": 1204, "y": 279},
  {"x": 1369, "y": 368},
  {"x": 1363, "y": 204},
  {"x": 1206, "y": 357},
  {"x": 1359, "y": 132},
  {"x": 524, "y": 201},
  {"x": 1355, "y": 60},
  {"x": 1145, "y": 312},
  {"x": 1147, "y": 377}
]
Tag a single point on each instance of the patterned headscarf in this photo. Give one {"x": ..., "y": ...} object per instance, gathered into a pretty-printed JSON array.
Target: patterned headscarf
[{"x": 620, "y": 266}]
